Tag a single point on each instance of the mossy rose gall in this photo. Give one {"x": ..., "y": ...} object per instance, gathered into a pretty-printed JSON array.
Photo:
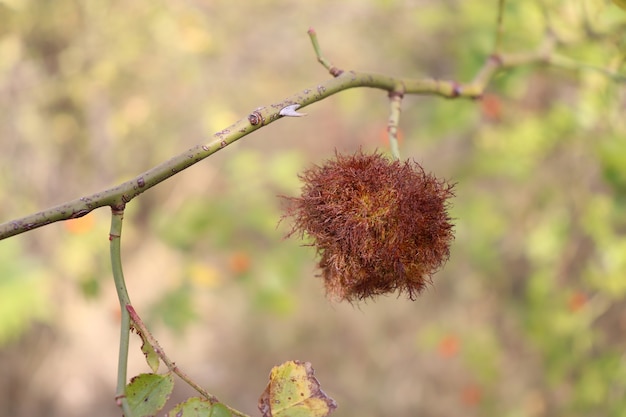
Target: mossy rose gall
[{"x": 379, "y": 225}]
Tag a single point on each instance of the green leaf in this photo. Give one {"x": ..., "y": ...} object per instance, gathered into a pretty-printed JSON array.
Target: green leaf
[
  {"x": 151, "y": 356},
  {"x": 147, "y": 393},
  {"x": 148, "y": 351},
  {"x": 293, "y": 391},
  {"x": 199, "y": 407},
  {"x": 220, "y": 410}
]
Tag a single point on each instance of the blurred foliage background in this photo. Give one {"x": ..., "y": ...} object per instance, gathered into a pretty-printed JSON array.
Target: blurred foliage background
[{"x": 528, "y": 318}]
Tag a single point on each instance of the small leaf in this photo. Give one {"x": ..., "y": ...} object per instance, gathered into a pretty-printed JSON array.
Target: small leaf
[
  {"x": 293, "y": 391},
  {"x": 147, "y": 393},
  {"x": 199, "y": 407},
  {"x": 151, "y": 356},
  {"x": 148, "y": 351}
]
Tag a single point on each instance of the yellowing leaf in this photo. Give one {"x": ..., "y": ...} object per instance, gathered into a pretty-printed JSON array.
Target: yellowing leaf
[{"x": 293, "y": 391}]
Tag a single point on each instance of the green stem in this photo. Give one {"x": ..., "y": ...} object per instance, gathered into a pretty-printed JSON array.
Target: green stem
[
  {"x": 115, "y": 235},
  {"x": 334, "y": 71}
]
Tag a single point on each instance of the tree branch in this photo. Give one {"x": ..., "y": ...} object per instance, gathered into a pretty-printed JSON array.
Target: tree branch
[{"x": 262, "y": 116}]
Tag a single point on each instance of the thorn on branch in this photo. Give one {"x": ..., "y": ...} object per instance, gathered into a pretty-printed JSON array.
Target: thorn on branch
[{"x": 290, "y": 111}]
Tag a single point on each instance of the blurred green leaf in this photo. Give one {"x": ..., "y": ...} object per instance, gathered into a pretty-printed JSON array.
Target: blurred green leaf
[
  {"x": 613, "y": 158},
  {"x": 275, "y": 300},
  {"x": 620, "y": 3},
  {"x": 23, "y": 291},
  {"x": 90, "y": 287},
  {"x": 176, "y": 308}
]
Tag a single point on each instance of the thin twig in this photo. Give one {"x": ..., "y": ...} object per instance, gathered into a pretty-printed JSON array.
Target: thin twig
[
  {"x": 559, "y": 61},
  {"x": 334, "y": 71},
  {"x": 145, "y": 334},
  {"x": 499, "y": 28}
]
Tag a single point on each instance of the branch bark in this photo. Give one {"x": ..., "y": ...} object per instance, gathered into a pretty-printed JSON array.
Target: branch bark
[{"x": 123, "y": 193}]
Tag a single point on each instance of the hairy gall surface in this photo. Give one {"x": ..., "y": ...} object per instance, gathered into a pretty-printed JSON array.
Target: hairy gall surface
[{"x": 379, "y": 225}]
